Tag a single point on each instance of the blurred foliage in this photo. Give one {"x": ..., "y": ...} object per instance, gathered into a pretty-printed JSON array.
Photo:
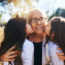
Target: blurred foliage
[
  {"x": 58, "y": 12},
  {"x": 15, "y": 7},
  {"x": 18, "y": 1}
]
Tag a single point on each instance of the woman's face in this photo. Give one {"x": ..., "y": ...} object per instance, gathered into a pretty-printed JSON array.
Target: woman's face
[
  {"x": 28, "y": 29},
  {"x": 37, "y": 23},
  {"x": 48, "y": 28}
]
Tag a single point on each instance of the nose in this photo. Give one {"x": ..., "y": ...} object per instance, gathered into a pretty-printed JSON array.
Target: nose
[{"x": 39, "y": 22}]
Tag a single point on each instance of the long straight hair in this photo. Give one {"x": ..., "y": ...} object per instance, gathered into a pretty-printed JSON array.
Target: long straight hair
[
  {"x": 14, "y": 34},
  {"x": 58, "y": 28}
]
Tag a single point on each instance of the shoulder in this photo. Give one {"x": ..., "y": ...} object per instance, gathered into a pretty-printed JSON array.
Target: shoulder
[
  {"x": 53, "y": 48},
  {"x": 27, "y": 43},
  {"x": 53, "y": 56},
  {"x": 27, "y": 50},
  {"x": 52, "y": 45}
]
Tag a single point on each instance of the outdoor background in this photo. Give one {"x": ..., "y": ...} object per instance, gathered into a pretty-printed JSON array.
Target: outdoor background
[{"x": 11, "y": 8}]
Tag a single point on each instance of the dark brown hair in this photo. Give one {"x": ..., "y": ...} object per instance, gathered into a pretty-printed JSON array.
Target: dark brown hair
[
  {"x": 14, "y": 34},
  {"x": 58, "y": 28}
]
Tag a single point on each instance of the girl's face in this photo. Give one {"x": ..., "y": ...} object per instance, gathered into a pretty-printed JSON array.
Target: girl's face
[
  {"x": 48, "y": 28},
  {"x": 28, "y": 29}
]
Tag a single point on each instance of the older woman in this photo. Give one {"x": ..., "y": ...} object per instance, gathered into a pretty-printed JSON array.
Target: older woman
[
  {"x": 34, "y": 48},
  {"x": 34, "y": 52}
]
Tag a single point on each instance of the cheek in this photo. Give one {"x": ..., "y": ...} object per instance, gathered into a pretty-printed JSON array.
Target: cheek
[
  {"x": 43, "y": 24},
  {"x": 33, "y": 26},
  {"x": 28, "y": 29}
]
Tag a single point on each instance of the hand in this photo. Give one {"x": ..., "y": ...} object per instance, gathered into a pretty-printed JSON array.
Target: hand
[
  {"x": 60, "y": 55},
  {"x": 9, "y": 55}
]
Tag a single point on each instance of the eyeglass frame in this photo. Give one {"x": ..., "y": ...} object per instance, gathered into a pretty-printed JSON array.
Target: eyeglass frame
[{"x": 37, "y": 20}]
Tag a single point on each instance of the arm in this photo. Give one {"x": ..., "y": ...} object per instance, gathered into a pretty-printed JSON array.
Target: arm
[
  {"x": 54, "y": 58},
  {"x": 61, "y": 56}
]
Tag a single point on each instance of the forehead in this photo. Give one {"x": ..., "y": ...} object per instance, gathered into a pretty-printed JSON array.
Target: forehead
[{"x": 37, "y": 14}]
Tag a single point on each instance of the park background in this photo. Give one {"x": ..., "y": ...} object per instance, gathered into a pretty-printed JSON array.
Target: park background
[{"x": 12, "y": 8}]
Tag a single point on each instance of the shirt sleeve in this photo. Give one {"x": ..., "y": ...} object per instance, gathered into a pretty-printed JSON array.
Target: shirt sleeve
[
  {"x": 27, "y": 53},
  {"x": 54, "y": 58},
  {"x": 5, "y": 63}
]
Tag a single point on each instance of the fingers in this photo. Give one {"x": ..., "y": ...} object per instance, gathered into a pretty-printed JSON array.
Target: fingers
[
  {"x": 7, "y": 60},
  {"x": 59, "y": 49},
  {"x": 13, "y": 52},
  {"x": 11, "y": 60},
  {"x": 59, "y": 54},
  {"x": 11, "y": 48},
  {"x": 62, "y": 57},
  {"x": 9, "y": 55},
  {"x": 13, "y": 56}
]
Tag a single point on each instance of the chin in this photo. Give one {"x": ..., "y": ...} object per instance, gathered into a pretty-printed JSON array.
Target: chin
[{"x": 39, "y": 32}]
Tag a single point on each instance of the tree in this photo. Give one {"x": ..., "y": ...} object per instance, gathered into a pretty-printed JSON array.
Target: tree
[{"x": 58, "y": 12}]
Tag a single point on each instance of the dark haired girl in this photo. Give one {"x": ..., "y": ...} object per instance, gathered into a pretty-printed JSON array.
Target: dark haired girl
[
  {"x": 14, "y": 35},
  {"x": 55, "y": 31}
]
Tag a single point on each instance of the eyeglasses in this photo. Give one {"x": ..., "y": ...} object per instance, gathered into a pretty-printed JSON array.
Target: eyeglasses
[{"x": 36, "y": 20}]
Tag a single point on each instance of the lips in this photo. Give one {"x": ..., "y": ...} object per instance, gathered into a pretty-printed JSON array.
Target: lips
[{"x": 39, "y": 27}]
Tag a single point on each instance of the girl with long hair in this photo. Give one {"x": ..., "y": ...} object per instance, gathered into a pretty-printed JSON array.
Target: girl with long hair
[
  {"x": 55, "y": 31},
  {"x": 14, "y": 35}
]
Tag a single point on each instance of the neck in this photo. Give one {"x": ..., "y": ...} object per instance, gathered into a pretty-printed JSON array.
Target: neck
[{"x": 36, "y": 38}]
